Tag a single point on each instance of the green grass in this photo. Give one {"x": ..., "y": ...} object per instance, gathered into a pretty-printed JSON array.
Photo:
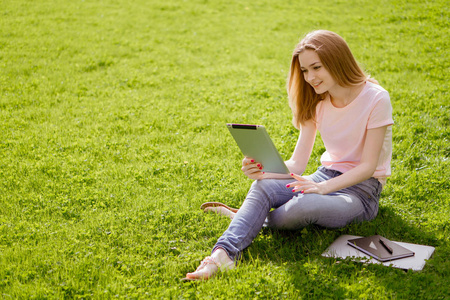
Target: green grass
[{"x": 112, "y": 134}]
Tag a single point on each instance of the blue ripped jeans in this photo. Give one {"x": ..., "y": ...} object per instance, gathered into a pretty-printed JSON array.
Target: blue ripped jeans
[{"x": 295, "y": 210}]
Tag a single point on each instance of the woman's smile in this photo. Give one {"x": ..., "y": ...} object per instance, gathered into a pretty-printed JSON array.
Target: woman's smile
[{"x": 316, "y": 85}]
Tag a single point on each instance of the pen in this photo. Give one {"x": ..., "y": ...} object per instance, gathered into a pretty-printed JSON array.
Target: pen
[{"x": 389, "y": 249}]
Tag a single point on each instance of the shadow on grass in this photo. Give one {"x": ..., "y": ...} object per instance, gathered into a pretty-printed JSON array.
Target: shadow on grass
[{"x": 317, "y": 276}]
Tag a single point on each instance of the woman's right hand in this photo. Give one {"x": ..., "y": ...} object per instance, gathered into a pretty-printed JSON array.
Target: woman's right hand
[{"x": 252, "y": 169}]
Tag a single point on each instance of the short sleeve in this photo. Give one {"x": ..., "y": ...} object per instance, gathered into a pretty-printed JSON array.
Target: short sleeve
[{"x": 381, "y": 114}]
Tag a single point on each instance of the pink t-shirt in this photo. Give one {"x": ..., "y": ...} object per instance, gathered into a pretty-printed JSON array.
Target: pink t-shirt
[{"x": 343, "y": 130}]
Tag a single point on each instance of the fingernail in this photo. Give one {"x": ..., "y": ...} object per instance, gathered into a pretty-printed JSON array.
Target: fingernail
[
  {"x": 302, "y": 192},
  {"x": 258, "y": 165},
  {"x": 252, "y": 160},
  {"x": 288, "y": 185},
  {"x": 260, "y": 168},
  {"x": 264, "y": 172},
  {"x": 292, "y": 174}
]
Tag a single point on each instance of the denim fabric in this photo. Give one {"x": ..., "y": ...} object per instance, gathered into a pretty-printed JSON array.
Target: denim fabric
[{"x": 295, "y": 210}]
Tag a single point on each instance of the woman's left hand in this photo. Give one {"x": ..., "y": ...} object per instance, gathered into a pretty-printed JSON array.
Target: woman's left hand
[{"x": 306, "y": 186}]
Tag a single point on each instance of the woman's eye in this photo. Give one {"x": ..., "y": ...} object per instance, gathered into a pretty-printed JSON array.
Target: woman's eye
[
  {"x": 304, "y": 71},
  {"x": 317, "y": 67}
]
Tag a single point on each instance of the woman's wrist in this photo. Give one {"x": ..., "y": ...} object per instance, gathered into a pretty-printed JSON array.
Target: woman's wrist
[{"x": 324, "y": 187}]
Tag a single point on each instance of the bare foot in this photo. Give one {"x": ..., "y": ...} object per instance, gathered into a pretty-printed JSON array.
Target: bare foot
[{"x": 218, "y": 261}]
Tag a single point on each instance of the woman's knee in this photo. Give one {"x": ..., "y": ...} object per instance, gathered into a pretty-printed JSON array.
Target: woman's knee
[
  {"x": 265, "y": 186},
  {"x": 264, "y": 190}
]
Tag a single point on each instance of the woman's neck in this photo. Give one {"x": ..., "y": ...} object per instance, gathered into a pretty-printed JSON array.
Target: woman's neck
[{"x": 343, "y": 96}]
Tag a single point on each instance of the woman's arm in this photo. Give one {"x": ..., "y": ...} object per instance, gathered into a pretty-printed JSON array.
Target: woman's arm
[
  {"x": 366, "y": 168},
  {"x": 305, "y": 143},
  {"x": 296, "y": 164}
]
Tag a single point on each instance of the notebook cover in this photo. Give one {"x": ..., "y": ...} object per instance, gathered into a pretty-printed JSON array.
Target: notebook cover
[{"x": 373, "y": 245}]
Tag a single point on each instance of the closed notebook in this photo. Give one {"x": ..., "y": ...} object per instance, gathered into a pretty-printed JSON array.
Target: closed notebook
[{"x": 380, "y": 248}]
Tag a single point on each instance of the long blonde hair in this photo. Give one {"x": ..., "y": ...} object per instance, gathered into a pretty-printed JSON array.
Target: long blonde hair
[{"x": 336, "y": 57}]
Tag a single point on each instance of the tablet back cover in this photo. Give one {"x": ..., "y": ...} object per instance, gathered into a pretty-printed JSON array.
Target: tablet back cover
[{"x": 254, "y": 142}]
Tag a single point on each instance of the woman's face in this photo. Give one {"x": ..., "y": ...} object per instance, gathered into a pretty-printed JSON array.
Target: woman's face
[{"x": 315, "y": 73}]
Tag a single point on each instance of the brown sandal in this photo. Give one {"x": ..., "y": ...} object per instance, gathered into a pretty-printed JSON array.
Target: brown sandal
[{"x": 216, "y": 204}]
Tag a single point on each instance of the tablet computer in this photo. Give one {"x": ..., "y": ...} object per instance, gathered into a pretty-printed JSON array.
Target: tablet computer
[{"x": 254, "y": 142}]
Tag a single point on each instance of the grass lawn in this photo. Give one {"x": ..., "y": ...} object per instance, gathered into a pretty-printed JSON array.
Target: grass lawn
[{"x": 112, "y": 133}]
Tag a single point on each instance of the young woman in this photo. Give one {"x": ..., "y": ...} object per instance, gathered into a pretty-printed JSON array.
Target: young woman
[{"x": 328, "y": 92}]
